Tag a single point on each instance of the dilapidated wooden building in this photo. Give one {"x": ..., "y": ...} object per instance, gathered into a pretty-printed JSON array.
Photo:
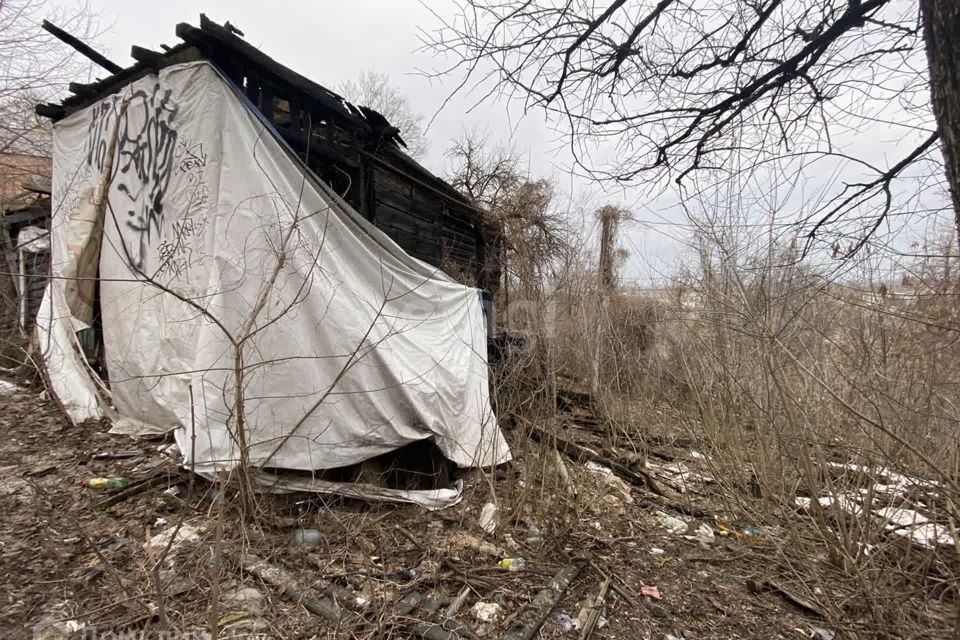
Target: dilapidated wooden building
[{"x": 352, "y": 148}]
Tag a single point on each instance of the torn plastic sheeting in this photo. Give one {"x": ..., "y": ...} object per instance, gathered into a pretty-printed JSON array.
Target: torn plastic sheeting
[
  {"x": 431, "y": 499},
  {"x": 358, "y": 348},
  {"x": 889, "y": 479},
  {"x": 914, "y": 525}
]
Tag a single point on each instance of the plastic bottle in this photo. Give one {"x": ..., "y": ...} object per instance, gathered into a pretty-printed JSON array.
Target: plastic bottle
[
  {"x": 512, "y": 564},
  {"x": 101, "y": 484},
  {"x": 306, "y": 538}
]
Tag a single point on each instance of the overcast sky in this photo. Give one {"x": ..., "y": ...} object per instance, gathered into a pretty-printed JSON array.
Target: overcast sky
[{"x": 331, "y": 42}]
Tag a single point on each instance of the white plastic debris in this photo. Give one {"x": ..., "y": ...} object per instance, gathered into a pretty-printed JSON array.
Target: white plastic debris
[
  {"x": 704, "y": 534},
  {"x": 564, "y": 621},
  {"x": 911, "y": 524},
  {"x": 611, "y": 479},
  {"x": 49, "y": 628},
  {"x": 674, "y": 525},
  {"x": 486, "y": 611},
  {"x": 9, "y": 388},
  {"x": 488, "y": 517},
  {"x": 159, "y": 542},
  {"x": 170, "y": 450},
  {"x": 245, "y": 598}
]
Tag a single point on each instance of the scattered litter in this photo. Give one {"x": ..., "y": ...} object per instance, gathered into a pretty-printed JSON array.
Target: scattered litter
[
  {"x": 488, "y": 518},
  {"x": 116, "y": 455},
  {"x": 739, "y": 532},
  {"x": 909, "y": 523},
  {"x": 819, "y": 633},
  {"x": 245, "y": 598},
  {"x": 159, "y": 542},
  {"x": 656, "y": 551},
  {"x": 678, "y": 476},
  {"x": 160, "y": 523},
  {"x": 102, "y": 484},
  {"x": 170, "y": 450},
  {"x": 564, "y": 621},
  {"x": 49, "y": 628},
  {"x": 671, "y": 524},
  {"x": 306, "y": 538},
  {"x": 611, "y": 480},
  {"x": 8, "y": 388},
  {"x": 696, "y": 455},
  {"x": 513, "y": 564},
  {"x": 650, "y": 591},
  {"x": 246, "y": 627},
  {"x": 231, "y": 618},
  {"x": 583, "y": 615},
  {"x": 464, "y": 540},
  {"x": 893, "y": 489},
  {"x": 704, "y": 535},
  {"x": 486, "y": 611}
]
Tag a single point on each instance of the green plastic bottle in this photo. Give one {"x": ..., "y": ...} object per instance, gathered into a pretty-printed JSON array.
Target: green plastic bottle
[{"x": 101, "y": 484}]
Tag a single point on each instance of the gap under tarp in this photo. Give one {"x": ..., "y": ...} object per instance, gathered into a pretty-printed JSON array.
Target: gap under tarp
[{"x": 228, "y": 270}]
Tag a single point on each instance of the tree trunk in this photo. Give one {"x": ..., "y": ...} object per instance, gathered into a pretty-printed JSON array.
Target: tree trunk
[{"x": 941, "y": 31}]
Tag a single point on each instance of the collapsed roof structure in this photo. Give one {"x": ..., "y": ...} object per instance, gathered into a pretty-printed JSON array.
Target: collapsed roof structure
[{"x": 264, "y": 268}]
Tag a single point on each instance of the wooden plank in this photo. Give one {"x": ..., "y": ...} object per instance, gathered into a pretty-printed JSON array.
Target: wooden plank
[{"x": 83, "y": 48}]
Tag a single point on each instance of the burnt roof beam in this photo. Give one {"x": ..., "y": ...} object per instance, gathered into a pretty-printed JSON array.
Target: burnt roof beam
[
  {"x": 81, "y": 47},
  {"x": 211, "y": 36},
  {"x": 147, "y": 57}
]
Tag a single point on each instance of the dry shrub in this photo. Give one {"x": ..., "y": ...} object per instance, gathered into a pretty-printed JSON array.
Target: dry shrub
[
  {"x": 782, "y": 374},
  {"x": 789, "y": 374}
]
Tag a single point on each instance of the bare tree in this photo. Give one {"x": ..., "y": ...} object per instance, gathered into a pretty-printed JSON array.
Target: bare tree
[
  {"x": 36, "y": 67},
  {"x": 534, "y": 236},
  {"x": 695, "y": 91},
  {"x": 372, "y": 89},
  {"x": 941, "y": 30}
]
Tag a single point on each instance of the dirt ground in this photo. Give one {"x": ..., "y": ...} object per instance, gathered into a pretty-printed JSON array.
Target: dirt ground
[{"x": 72, "y": 570}]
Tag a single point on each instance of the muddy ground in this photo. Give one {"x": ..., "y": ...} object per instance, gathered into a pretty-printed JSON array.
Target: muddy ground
[{"x": 70, "y": 569}]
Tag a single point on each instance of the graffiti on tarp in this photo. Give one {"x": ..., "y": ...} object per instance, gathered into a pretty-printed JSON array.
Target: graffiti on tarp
[
  {"x": 176, "y": 253},
  {"x": 190, "y": 156},
  {"x": 146, "y": 142}
]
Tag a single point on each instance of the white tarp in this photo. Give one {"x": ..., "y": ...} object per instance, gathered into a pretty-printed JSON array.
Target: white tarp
[{"x": 221, "y": 255}]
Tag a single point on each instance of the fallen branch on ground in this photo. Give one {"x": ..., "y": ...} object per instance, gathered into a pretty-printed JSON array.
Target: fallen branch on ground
[
  {"x": 546, "y": 600},
  {"x": 583, "y": 454}
]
